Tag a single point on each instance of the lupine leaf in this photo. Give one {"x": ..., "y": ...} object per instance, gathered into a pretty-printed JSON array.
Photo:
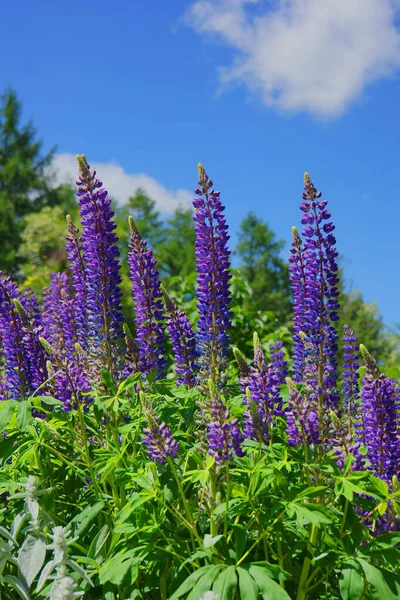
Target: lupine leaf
[
  {"x": 226, "y": 584},
  {"x": 351, "y": 583}
]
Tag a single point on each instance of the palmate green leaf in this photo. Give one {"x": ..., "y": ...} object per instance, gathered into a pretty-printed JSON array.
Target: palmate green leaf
[
  {"x": 248, "y": 588},
  {"x": 24, "y": 415},
  {"x": 269, "y": 589},
  {"x": 378, "y": 587},
  {"x": 311, "y": 492},
  {"x": 311, "y": 513},
  {"x": 226, "y": 584},
  {"x": 351, "y": 583},
  {"x": 205, "y": 583},
  {"x": 82, "y": 521},
  {"x": 6, "y": 412},
  {"x": 190, "y": 582}
]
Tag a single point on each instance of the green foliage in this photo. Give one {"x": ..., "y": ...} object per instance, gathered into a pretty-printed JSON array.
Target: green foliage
[
  {"x": 262, "y": 266},
  {"x": 276, "y": 524},
  {"x": 25, "y": 185}
]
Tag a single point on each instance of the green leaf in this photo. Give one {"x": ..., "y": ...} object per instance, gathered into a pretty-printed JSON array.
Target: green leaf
[
  {"x": 49, "y": 400},
  {"x": 351, "y": 583},
  {"x": 115, "y": 569},
  {"x": 31, "y": 557},
  {"x": 24, "y": 415},
  {"x": 248, "y": 588},
  {"x": 312, "y": 513},
  {"x": 312, "y": 492},
  {"x": 205, "y": 583},
  {"x": 98, "y": 542},
  {"x": 226, "y": 584},
  {"x": 211, "y": 540},
  {"x": 378, "y": 587},
  {"x": 6, "y": 413},
  {"x": 190, "y": 582},
  {"x": 83, "y": 519},
  {"x": 18, "y": 586},
  {"x": 270, "y": 590}
]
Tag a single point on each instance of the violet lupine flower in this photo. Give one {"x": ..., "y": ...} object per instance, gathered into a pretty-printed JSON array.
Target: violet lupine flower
[
  {"x": 16, "y": 366},
  {"x": 58, "y": 316},
  {"x": 224, "y": 436},
  {"x": 77, "y": 268},
  {"x": 302, "y": 424},
  {"x": 380, "y": 406},
  {"x": 313, "y": 272},
  {"x": 37, "y": 373},
  {"x": 263, "y": 393},
  {"x": 213, "y": 277},
  {"x": 350, "y": 373},
  {"x": 101, "y": 255},
  {"x": 183, "y": 343},
  {"x": 159, "y": 441},
  {"x": 297, "y": 272},
  {"x": 147, "y": 296}
]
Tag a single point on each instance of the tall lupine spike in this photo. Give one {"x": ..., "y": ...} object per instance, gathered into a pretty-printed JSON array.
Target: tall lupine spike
[
  {"x": 37, "y": 375},
  {"x": 16, "y": 366},
  {"x": 183, "y": 342},
  {"x": 213, "y": 276},
  {"x": 314, "y": 280},
  {"x": 301, "y": 418},
  {"x": 101, "y": 256},
  {"x": 380, "y": 407},
  {"x": 350, "y": 373},
  {"x": 147, "y": 296},
  {"x": 77, "y": 268},
  {"x": 298, "y": 282},
  {"x": 58, "y": 316}
]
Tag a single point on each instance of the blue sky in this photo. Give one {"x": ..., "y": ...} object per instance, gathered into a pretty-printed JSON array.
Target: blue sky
[{"x": 258, "y": 91}]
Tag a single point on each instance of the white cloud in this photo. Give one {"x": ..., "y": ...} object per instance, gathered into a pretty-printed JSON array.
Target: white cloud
[
  {"x": 121, "y": 184},
  {"x": 303, "y": 55}
]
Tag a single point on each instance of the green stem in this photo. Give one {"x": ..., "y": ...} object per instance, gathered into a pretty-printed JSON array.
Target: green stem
[
  {"x": 228, "y": 493},
  {"x": 302, "y": 589},
  {"x": 213, "y": 479}
]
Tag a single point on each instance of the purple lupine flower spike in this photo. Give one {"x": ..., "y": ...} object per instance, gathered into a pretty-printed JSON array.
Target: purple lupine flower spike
[
  {"x": 279, "y": 363},
  {"x": 183, "y": 343},
  {"x": 158, "y": 439},
  {"x": 77, "y": 268},
  {"x": 58, "y": 317},
  {"x": 298, "y": 281},
  {"x": 147, "y": 296},
  {"x": 380, "y": 406},
  {"x": 224, "y": 436},
  {"x": 262, "y": 393},
  {"x": 313, "y": 271},
  {"x": 301, "y": 418},
  {"x": 350, "y": 373},
  {"x": 213, "y": 277},
  {"x": 37, "y": 373},
  {"x": 101, "y": 256},
  {"x": 15, "y": 364}
]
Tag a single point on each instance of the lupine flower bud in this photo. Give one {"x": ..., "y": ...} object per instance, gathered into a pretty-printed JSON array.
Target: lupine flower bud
[
  {"x": 183, "y": 342},
  {"x": 302, "y": 418},
  {"x": 147, "y": 296},
  {"x": 213, "y": 277}
]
